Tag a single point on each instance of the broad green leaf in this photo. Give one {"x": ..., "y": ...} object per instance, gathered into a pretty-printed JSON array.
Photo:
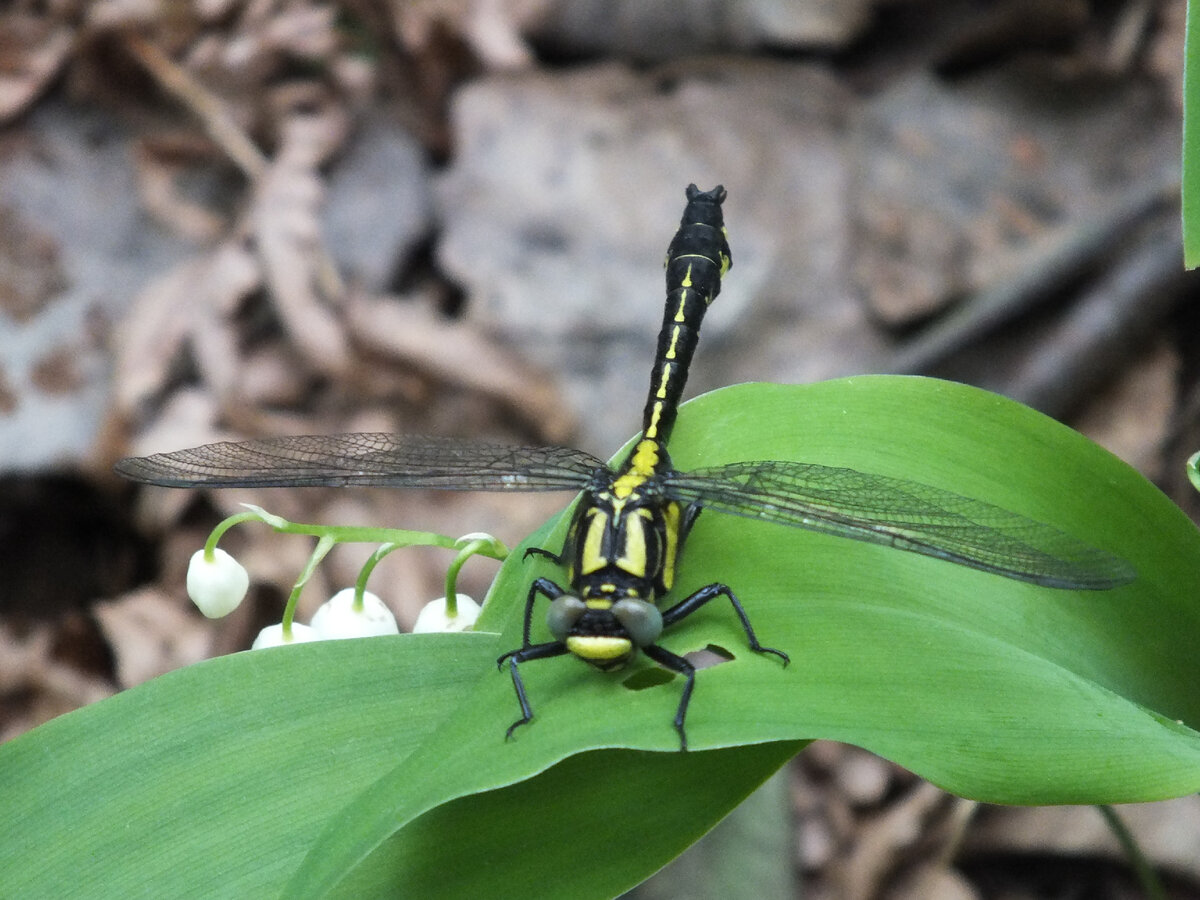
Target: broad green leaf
[
  {"x": 216, "y": 779},
  {"x": 381, "y": 765},
  {"x": 992, "y": 688}
]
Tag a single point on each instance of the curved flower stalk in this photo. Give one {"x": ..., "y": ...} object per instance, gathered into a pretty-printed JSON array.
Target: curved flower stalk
[{"x": 217, "y": 583}]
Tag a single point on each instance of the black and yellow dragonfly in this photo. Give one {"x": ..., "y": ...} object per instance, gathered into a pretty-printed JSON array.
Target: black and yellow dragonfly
[{"x": 623, "y": 546}]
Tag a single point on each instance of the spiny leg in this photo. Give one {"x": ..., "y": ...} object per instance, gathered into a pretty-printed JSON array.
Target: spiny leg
[
  {"x": 675, "y": 663},
  {"x": 514, "y": 657},
  {"x": 689, "y": 605},
  {"x": 548, "y": 589},
  {"x": 530, "y": 651},
  {"x": 556, "y": 558}
]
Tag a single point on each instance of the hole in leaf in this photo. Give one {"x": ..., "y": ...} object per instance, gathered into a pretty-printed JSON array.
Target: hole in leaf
[
  {"x": 653, "y": 676},
  {"x": 712, "y": 655}
]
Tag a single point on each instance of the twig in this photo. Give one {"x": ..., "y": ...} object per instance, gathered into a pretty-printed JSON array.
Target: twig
[
  {"x": 1072, "y": 253},
  {"x": 203, "y": 104},
  {"x": 228, "y": 135}
]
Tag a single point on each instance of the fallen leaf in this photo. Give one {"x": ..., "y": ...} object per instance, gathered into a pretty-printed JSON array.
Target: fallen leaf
[
  {"x": 170, "y": 309},
  {"x": 150, "y": 634},
  {"x": 284, "y": 221},
  {"x": 32, "y": 51},
  {"x": 458, "y": 354}
]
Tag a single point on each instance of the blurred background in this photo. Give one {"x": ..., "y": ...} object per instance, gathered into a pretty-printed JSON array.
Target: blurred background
[{"x": 226, "y": 219}]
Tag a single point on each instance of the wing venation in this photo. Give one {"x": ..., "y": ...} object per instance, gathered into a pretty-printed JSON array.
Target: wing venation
[
  {"x": 383, "y": 460},
  {"x": 902, "y": 514}
]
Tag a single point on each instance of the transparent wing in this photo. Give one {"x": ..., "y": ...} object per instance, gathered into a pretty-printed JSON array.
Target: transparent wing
[
  {"x": 902, "y": 514},
  {"x": 387, "y": 460}
]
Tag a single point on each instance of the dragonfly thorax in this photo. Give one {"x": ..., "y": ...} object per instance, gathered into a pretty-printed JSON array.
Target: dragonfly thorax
[{"x": 624, "y": 539}]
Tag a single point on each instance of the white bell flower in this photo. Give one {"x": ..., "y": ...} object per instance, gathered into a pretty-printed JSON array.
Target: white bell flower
[
  {"x": 216, "y": 585},
  {"x": 337, "y": 618},
  {"x": 272, "y": 636},
  {"x": 433, "y": 616}
]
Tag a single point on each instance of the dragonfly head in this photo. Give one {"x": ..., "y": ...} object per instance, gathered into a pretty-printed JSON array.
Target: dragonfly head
[{"x": 604, "y": 633}]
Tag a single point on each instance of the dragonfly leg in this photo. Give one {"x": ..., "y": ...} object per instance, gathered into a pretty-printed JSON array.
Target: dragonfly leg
[
  {"x": 515, "y": 657},
  {"x": 528, "y": 650},
  {"x": 676, "y": 663},
  {"x": 547, "y": 588},
  {"x": 556, "y": 558},
  {"x": 689, "y": 605},
  {"x": 690, "y": 514}
]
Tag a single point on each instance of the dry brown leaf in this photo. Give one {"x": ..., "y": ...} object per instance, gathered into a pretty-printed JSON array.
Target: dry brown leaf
[
  {"x": 214, "y": 10},
  {"x": 32, "y": 51},
  {"x": 1164, "y": 831},
  {"x": 150, "y": 634},
  {"x": 9, "y": 399},
  {"x": 31, "y": 268},
  {"x": 933, "y": 882},
  {"x": 187, "y": 419},
  {"x": 111, "y": 15},
  {"x": 28, "y": 669},
  {"x": 170, "y": 309},
  {"x": 159, "y": 167},
  {"x": 492, "y": 28},
  {"x": 266, "y": 376},
  {"x": 1133, "y": 416},
  {"x": 284, "y": 220},
  {"x": 58, "y": 370},
  {"x": 303, "y": 31},
  {"x": 882, "y": 843},
  {"x": 457, "y": 354}
]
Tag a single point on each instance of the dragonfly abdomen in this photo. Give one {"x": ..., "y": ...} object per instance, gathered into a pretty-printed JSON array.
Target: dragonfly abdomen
[{"x": 696, "y": 259}]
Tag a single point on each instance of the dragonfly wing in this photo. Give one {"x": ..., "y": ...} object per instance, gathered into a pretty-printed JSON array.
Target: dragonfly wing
[
  {"x": 903, "y": 514},
  {"x": 387, "y": 460}
]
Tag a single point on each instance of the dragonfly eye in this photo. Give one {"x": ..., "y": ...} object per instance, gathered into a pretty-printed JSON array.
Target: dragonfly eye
[
  {"x": 564, "y": 612},
  {"x": 640, "y": 618}
]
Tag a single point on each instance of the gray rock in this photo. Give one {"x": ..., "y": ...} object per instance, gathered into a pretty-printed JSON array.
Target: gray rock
[
  {"x": 959, "y": 182},
  {"x": 72, "y": 182},
  {"x": 377, "y": 203},
  {"x": 566, "y": 190}
]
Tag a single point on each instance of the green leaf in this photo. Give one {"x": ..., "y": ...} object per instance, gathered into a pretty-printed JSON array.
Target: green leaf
[
  {"x": 383, "y": 763},
  {"x": 1191, "y": 138},
  {"x": 216, "y": 779},
  {"x": 992, "y": 688}
]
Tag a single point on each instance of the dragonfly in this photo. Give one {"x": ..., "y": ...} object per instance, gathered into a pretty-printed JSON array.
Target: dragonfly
[{"x": 628, "y": 530}]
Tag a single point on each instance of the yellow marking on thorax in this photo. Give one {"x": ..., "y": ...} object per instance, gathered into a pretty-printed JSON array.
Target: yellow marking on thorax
[
  {"x": 633, "y": 549},
  {"x": 672, "y": 514},
  {"x": 591, "y": 556}
]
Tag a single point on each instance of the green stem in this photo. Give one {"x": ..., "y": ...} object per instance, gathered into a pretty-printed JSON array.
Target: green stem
[
  {"x": 1141, "y": 866},
  {"x": 475, "y": 545},
  {"x": 215, "y": 535},
  {"x": 361, "y": 584},
  {"x": 324, "y": 545},
  {"x": 349, "y": 534}
]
